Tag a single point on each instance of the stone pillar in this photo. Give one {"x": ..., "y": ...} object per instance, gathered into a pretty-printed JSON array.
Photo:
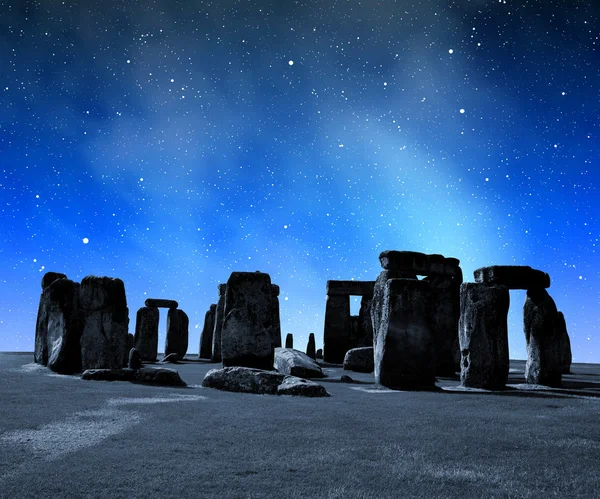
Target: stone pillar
[
  {"x": 365, "y": 324},
  {"x": 544, "y": 340},
  {"x": 310, "y": 348},
  {"x": 146, "y": 333},
  {"x": 206, "y": 338},
  {"x": 289, "y": 341},
  {"x": 567, "y": 358},
  {"x": 276, "y": 318},
  {"x": 404, "y": 351},
  {"x": 216, "y": 343},
  {"x": 40, "y": 354},
  {"x": 336, "y": 334},
  {"x": 483, "y": 335},
  {"x": 184, "y": 332},
  {"x": 177, "y": 333}
]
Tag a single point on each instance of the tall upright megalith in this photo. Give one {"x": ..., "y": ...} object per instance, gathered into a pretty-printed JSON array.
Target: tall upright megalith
[
  {"x": 218, "y": 327},
  {"x": 289, "y": 340},
  {"x": 177, "y": 332},
  {"x": 248, "y": 335},
  {"x": 146, "y": 333},
  {"x": 206, "y": 337},
  {"x": 40, "y": 354},
  {"x": 311, "y": 347},
  {"x": 566, "y": 357},
  {"x": 276, "y": 317}
]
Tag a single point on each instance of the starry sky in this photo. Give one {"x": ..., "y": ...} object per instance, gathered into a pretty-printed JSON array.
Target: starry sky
[{"x": 169, "y": 143}]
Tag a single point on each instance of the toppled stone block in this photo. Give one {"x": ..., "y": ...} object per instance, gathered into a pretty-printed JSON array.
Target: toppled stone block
[
  {"x": 292, "y": 385},
  {"x": 146, "y": 333},
  {"x": 483, "y": 334},
  {"x": 513, "y": 276},
  {"x": 319, "y": 353},
  {"x": 360, "y": 360},
  {"x": 150, "y": 375},
  {"x": 295, "y": 363},
  {"x": 160, "y": 303}
]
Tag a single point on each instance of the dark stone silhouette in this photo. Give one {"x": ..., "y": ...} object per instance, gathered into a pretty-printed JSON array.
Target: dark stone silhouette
[
  {"x": 513, "y": 276},
  {"x": 413, "y": 262},
  {"x": 360, "y": 360},
  {"x": 561, "y": 327},
  {"x": 319, "y": 354},
  {"x": 149, "y": 375},
  {"x": 160, "y": 303},
  {"x": 218, "y": 328},
  {"x": 483, "y": 333},
  {"x": 134, "y": 361},
  {"x": 289, "y": 341},
  {"x": 310, "y": 347},
  {"x": 146, "y": 333},
  {"x": 276, "y": 318},
  {"x": 40, "y": 354},
  {"x": 177, "y": 332},
  {"x": 206, "y": 337}
]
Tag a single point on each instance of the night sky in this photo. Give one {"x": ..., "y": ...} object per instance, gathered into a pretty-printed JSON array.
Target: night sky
[{"x": 169, "y": 143}]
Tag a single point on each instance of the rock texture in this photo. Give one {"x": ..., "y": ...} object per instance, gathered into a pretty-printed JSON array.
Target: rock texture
[
  {"x": 544, "y": 340},
  {"x": 561, "y": 327},
  {"x": 104, "y": 335},
  {"x": 160, "y": 303},
  {"x": 150, "y": 375},
  {"x": 249, "y": 380},
  {"x": 177, "y": 332},
  {"x": 295, "y": 363},
  {"x": 289, "y": 341},
  {"x": 365, "y": 326},
  {"x": 483, "y": 334},
  {"x": 404, "y": 352},
  {"x": 276, "y": 318},
  {"x": 513, "y": 276},
  {"x": 310, "y": 347},
  {"x": 248, "y": 335},
  {"x": 337, "y": 329},
  {"x": 218, "y": 329},
  {"x": 360, "y": 360},
  {"x": 146, "y": 333},
  {"x": 206, "y": 337},
  {"x": 135, "y": 360},
  {"x": 420, "y": 263},
  {"x": 40, "y": 354}
]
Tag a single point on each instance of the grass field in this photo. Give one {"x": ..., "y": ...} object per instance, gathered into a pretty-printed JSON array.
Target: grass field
[{"x": 61, "y": 436}]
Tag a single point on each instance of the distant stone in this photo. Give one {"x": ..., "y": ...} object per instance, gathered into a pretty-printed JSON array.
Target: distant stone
[
  {"x": 50, "y": 277},
  {"x": 289, "y": 341},
  {"x": 160, "y": 303},
  {"x": 544, "y": 340},
  {"x": 146, "y": 333},
  {"x": 292, "y": 385},
  {"x": 483, "y": 334},
  {"x": 135, "y": 361},
  {"x": 149, "y": 375},
  {"x": 513, "y": 276},
  {"x": 319, "y": 353},
  {"x": 310, "y": 347},
  {"x": 565, "y": 348},
  {"x": 359, "y": 360},
  {"x": 295, "y": 363},
  {"x": 346, "y": 379},
  {"x": 177, "y": 337},
  {"x": 172, "y": 358},
  {"x": 218, "y": 329},
  {"x": 206, "y": 337},
  {"x": 104, "y": 335}
]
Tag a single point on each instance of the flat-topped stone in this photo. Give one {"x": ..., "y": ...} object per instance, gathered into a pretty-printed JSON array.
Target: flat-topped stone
[
  {"x": 355, "y": 288},
  {"x": 420, "y": 263},
  {"x": 513, "y": 276},
  {"x": 159, "y": 302}
]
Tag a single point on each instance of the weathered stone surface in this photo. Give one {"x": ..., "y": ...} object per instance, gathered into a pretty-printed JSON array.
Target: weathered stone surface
[
  {"x": 135, "y": 360},
  {"x": 360, "y": 360},
  {"x": 104, "y": 335},
  {"x": 513, "y": 276},
  {"x": 337, "y": 331},
  {"x": 292, "y": 385},
  {"x": 150, "y": 375},
  {"x": 310, "y": 347},
  {"x": 172, "y": 358},
  {"x": 295, "y": 363},
  {"x": 206, "y": 337},
  {"x": 250, "y": 380},
  {"x": 146, "y": 333},
  {"x": 50, "y": 277},
  {"x": 483, "y": 334},
  {"x": 248, "y": 335},
  {"x": 544, "y": 354},
  {"x": 62, "y": 321},
  {"x": 130, "y": 345},
  {"x": 217, "y": 332},
  {"x": 319, "y": 353},
  {"x": 420, "y": 263},
  {"x": 289, "y": 341},
  {"x": 404, "y": 353},
  {"x": 561, "y": 328},
  {"x": 276, "y": 317},
  {"x": 347, "y": 288},
  {"x": 177, "y": 337},
  {"x": 443, "y": 319},
  {"x": 160, "y": 303},
  {"x": 364, "y": 323}
]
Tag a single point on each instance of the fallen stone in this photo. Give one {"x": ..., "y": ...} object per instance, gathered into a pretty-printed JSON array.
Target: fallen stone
[
  {"x": 146, "y": 333},
  {"x": 359, "y": 360},
  {"x": 543, "y": 339},
  {"x": 483, "y": 335},
  {"x": 346, "y": 379},
  {"x": 513, "y": 276},
  {"x": 150, "y": 375},
  {"x": 206, "y": 337},
  {"x": 135, "y": 360},
  {"x": 310, "y": 347},
  {"x": 219, "y": 313},
  {"x": 160, "y": 303},
  {"x": 104, "y": 335},
  {"x": 172, "y": 358},
  {"x": 292, "y": 385},
  {"x": 289, "y": 341},
  {"x": 565, "y": 348},
  {"x": 295, "y": 363}
]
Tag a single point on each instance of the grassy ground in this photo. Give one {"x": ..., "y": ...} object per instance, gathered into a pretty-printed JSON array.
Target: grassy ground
[{"x": 64, "y": 437}]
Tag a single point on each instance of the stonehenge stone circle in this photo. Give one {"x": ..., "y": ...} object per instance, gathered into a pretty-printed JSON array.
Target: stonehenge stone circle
[
  {"x": 160, "y": 303},
  {"x": 404, "y": 351},
  {"x": 218, "y": 329},
  {"x": 310, "y": 347},
  {"x": 177, "y": 332},
  {"x": 248, "y": 334},
  {"x": 483, "y": 334},
  {"x": 319, "y": 353},
  {"x": 146, "y": 333},
  {"x": 417, "y": 263},
  {"x": 206, "y": 337},
  {"x": 513, "y": 276},
  {"x": 296, "y": 363},
  {"x": 40, "y": 353},
  {"x": 289, "y": 340}
]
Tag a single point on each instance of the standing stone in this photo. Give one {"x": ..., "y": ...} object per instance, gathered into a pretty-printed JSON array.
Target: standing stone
[
  {"x": 134, "y": 361},
  {"x": 146, "y": 333},
  {"x": 404, "y": 353},
  {"x": 565, "y": 348},
  {"x": 104, "y": 336},
  {"x": 276, "y": 318},
  {"x": 64, "y": 326},
  {"x": 483, "y": 334},
  {"x": 364, "y": 323},
  {"x": 544, "y": 353},
  {"x": 206, "y": 338},
  {"x": 40, "y": 354},
  {"x": 248, "y": 335},
  {"x": 177, "y": 332},
  {"x": 319, "y": 353},
  {"x": 289, "y": 341},
  {"x": 336, "y": 334},
  {"x": 219, "y": 314},
  {"x": 310, "y": 348}
]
